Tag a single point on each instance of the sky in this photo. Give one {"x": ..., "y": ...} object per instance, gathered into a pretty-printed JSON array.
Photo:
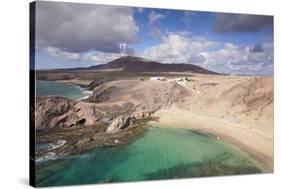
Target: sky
[{"x": 80, "y": 35}]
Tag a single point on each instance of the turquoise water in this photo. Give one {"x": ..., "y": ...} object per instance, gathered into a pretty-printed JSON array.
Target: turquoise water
[
  {"x": 45, "y": 88},
  {"x": 41, "y": 146},
  {"x": 162, "y": 153}
]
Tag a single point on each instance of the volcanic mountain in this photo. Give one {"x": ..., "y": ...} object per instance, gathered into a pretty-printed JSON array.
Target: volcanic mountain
[{"x": 138, "y": 64}]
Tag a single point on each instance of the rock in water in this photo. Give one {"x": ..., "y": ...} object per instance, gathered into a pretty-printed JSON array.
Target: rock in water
[{"x": 119, "y": 123}]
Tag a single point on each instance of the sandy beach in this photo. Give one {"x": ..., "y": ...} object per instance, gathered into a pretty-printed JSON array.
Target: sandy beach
[{"x": 255, "y": 142}]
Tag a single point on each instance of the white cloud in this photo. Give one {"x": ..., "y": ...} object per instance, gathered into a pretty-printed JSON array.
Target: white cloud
[
  {"x": 240, "y": 60},
  {"x": 125, "y": 49},
  {"x": 153, "y": 17},
  {"x": 140, "y": 9},
  {"x": 187, "y": 17},
  {"x": 100, "y": 57},
  {"x": 176, "y": 47},
  {"x": 56, "y": 52},
  {"x": 155, "y": 32},
  {"x": 96, "y": 57},
  {"x": 225, "y": 58}
]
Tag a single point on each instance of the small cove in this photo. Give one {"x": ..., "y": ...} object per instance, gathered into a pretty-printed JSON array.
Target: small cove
[
  {"x": 45, "y": 88},
  {"x": 161, "y": 153}
]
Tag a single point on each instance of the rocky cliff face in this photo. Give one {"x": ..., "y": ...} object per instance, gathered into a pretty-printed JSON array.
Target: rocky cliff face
[
  {"x": 82, "y": 125},
  {"x": 112, "y": 104},
  {"x": 61, "y": 112}
]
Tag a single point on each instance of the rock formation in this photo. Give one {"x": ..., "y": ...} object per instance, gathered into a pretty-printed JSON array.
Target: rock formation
[
  {"x": 53, "y": 112},
  {"x": 61, "y": 112},
  {"x": 119, "y": 123}
]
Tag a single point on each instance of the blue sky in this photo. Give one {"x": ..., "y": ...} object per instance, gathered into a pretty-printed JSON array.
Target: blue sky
[{"x": 81, "y": 35}]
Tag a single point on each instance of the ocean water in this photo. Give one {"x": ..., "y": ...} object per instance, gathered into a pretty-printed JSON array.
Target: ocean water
[
  {"x": 45, "y": 88},
  {"x": 161, "y": 153}
]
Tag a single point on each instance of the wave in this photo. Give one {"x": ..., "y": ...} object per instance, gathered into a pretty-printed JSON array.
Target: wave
[
  {"x": 86, "y": 92},
  {"x": 47, "y": 156},
  {"x": 51, "y": 155},
  {"x": 57, "y": 144}
]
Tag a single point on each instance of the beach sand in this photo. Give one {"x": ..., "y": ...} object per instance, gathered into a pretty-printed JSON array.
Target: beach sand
[{"x": 255, "y": 142}]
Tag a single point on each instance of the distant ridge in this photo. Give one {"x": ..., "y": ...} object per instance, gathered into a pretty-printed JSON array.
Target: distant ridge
[{"x": 138, "y": 64}]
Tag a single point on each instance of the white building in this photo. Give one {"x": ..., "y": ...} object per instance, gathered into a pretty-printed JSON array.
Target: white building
[{"x": 157, "y": 78}]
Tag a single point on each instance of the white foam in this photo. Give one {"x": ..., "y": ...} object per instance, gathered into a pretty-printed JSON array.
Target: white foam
[
  {"x": 56, "y": 145},
  {"x": 47, "y": 156},
  {"x": 87, "y": 93}
]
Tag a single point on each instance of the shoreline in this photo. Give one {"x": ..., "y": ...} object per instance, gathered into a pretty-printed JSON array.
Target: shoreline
[
  {"x": 82, "y": 87},
  {"x": 93, "y": 138},
  {"x": 257, "y": 147},
  {"x": 250, "y": 136},
  {"x": 84, "y": 91},
  {"x": 80, "y": 83}
]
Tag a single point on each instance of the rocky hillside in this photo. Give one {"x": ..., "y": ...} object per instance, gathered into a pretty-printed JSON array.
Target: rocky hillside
[
  {"x": 59, "y": 112},
  {"x": 114, "y": 104},
  {"x": 238, "y": 99},
  {"x": 147, "y": 96}
]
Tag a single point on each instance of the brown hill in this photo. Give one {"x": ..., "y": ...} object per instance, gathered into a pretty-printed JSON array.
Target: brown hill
[{"x": 138, "y": 64}]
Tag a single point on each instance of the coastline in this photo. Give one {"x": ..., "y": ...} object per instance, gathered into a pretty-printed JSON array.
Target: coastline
[
  {"x": 77, "y": 82},
  {"x": 81, "y": 85},
  {"x": 84, "y": 91},
  {"x": 255, "y": 145},
  {"x": 254, "y": 138}
]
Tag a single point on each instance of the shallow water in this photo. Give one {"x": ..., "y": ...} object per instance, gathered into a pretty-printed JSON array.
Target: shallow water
[
  {"x": 45, "y": 88},
  {"x": 161, "y": 153}
]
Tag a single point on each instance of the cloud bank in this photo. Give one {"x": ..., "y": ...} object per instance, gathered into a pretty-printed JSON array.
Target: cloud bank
[
  {"x": 77, "y": 28},
  {"x": 102, "y": 33},
  {"x": 213, "y": 55},
  {"x": 241, "y": 22}
]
